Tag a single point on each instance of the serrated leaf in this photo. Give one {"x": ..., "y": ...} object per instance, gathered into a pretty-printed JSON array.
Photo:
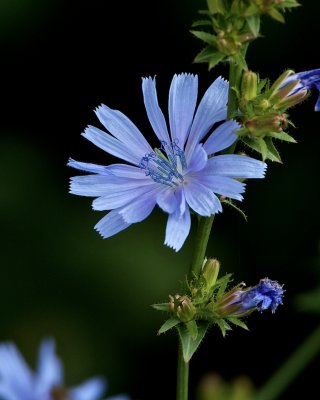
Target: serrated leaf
[
  {"x": 224, "y": 326},
  {"x": 215, "y": 59},
  {"x": 205, "y": 37},
  {"x": 275, "y": 14},
  {"x": 192, "y": 329},
  {"x": 189, "y": 346},
  {"x": 201, "y": 22},
  {"x": 205, "y": 54},
  {"x": 253, "y": 22},
  {"x": 273, "y": 153},
  {"x": 238, "y": 322},
  {"x": 282, "y": 136},
  {"x": 231, "y": 204},
  {"x": 161, "y": 306},
  {"x": 169, "y": 323}
]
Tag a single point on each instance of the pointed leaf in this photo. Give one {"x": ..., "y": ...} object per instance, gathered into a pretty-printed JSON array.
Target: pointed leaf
[
  {"x": 254, "y": 24},
  {"x": 282, "y": 136},
  {"x": 192, "y": 329},
  {"x": 240, "y": 60},
  {"x": 189, "y": 346},
  {"x": 205, "y": 36},
  {"x": 201, "y": 22},
  {"x": 263, "y": 148},
  {"x": 161, "y": 306},
  {"x": 215, "y": 59},
  {"x": 222, "y": 283},
  {"x": 170, "y": 323},
  {"x": 224, "y": 326},
  {"x": 273, "y": 153},
  {"x": 275, "y": 14},
  {"x": 205, "y": 54},
  {"x": 238, "y": 322}
]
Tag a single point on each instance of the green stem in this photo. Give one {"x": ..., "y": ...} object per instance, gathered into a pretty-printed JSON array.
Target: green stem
[
  {"x": 182, "y": 376},
  {"x": 202, "y": 238},
  {"x": 291, "y": 368}
]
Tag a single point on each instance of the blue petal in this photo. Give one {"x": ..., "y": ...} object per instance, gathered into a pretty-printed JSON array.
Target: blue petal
[
  {"x": 198, "y": 160},
  {"x": 178, "y": 227},
  {"x": 236, "y": 166},
  {"x": 154, "y": 112},
  {"x": 8, "y": 393},
  {"x": 50, "y": 372},
  {"x": 141, "y": 207},
  {"x": 222, "y": 137},
  {"x": 212, "y": 108},
  {"x": 123, "y": 129},
  {"x": 168, "y": 201},
  {"x": 317, "y": 106},
  {"x": 100, "y": 185},
  {"x": 111, "y": 145},
  {"x": 111, "y": 224},
  {"x": 14, "y": 371},
  {"x": 91, "y": 389},
  {"x": 118, "y": 198},
  {"x": 224, "y": 186},
  {"x": 201, "y": 199},
  {"x": 82, "y": 166},
  {"x": 182, "y": 102}
]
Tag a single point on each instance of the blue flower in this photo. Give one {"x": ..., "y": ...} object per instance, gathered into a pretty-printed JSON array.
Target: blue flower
[
  {"x": 183, "y": 173},
  {"x": 267, "y": 294},
  {"x": 19, "y": 382},
  {"x": 306, "y": 80}
]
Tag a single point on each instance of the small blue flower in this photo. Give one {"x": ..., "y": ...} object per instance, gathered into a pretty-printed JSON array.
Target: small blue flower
[
  {"x": 306, "y": 80},
  {"x": 19, "y": 382},
  {"x": 182, "y": 173},
  {"x": 267, "y": 294}
]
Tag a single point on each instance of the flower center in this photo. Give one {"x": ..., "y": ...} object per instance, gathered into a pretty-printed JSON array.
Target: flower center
[
  {"x": 165, "y": 165},
  {"x": 59, "y": 393}
]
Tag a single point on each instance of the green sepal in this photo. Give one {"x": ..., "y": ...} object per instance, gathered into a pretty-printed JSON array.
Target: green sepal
[
  {"x": 282, "y": 136},
  {"x": 253, "y": 22},
  {"x": 169, "y": 323},
  {"x": 215, "y": 59},
  {"x": 222, "y": 284},
  {"x": 189, "y": 346},
  {"x": 263, "y": 148},
  {"x": 224, "y": 326},
  {"x": 275, "y": 14},
  {"x": 238, "y": 322},
  {"x": 231, "y": 204},
  {"x": 161, "y": 306},
  {"x": 204, "y": 55},
  {"x": 289, "y": 4},
  {"x": 205, "y": 37},
  {"x": 192, "y": 329}
]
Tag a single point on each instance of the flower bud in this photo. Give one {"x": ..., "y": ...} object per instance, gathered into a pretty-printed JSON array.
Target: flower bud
[
  {"x": 210, "y": 273},
  {"x": 249, "y": 85},
  {"x": 182, "y": 307},
  {"x": 279, "y": 82},
  {"x": 261, "y": 125}
]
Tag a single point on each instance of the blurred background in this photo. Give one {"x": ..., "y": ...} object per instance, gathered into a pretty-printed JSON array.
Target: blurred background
[{"x": 59, "y": 59}]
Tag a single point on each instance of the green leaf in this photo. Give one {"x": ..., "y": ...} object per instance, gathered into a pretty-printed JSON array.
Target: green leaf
[
  {"x": 192, "y": 329},
  {"x": 238, "y": 322},
  {"x": 263, "y": 148},
  {"x": 189, "y": 346},
  {"x": 215, "y": 59},
  {"x": 205, "y": 36},
  {"x": 222, "y": 283},
  {"x": 275, "y": 14},
  {"x": 161, "y": 306},
  {"x": 254, "y": 24},
  {"x": 170, "y": 323},
  {"x": 224, "y": 326},
  {"x": 205, "y": 54},
  {"x": 282, "y": 136},
  {"x": 201, "y": 22},
  {"x": 273, "y": 153},
  {"x": 240, "y": 61}
]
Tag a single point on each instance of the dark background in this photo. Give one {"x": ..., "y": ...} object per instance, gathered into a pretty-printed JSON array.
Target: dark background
[{"x": 58, "y": 61}]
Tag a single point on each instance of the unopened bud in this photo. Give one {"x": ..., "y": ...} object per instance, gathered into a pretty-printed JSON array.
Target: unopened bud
[
  {"x": 182, "y": 307},
  {"x": 210, "y": 272},
  {"x": 278, "y": 83},
  {"x": 249, "y": 85},
  {"x": 259, "y": 126}
]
